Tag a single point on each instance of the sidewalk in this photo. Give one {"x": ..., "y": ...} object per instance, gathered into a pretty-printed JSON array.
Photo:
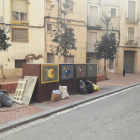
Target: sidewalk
[{"x": 20, "y": 114}]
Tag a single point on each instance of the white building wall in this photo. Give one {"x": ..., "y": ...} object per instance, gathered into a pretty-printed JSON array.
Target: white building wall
[{"x": 34, "y": 49}]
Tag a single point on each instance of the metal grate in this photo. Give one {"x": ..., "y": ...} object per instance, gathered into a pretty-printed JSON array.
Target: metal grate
[
  {"x": 19, "y": 35},
  {"x": 19, "y": 63}
]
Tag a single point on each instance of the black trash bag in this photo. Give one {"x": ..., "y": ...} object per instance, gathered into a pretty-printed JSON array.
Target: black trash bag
[
  {"x": 5, "y": 100},
  {"x": 89, "y": 86},
  {"x": 82, "y": 87}
]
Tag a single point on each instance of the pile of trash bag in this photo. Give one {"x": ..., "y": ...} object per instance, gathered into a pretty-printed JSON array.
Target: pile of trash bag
[
  {"x": 87, "y": 87},
  {"x": 5, "y": 100},
  {"x": 82, "y": 87},
  {"x": 59, "y": 94}
]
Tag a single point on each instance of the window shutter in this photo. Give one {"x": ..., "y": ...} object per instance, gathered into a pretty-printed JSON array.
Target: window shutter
[{"x": 19, "y": 5}]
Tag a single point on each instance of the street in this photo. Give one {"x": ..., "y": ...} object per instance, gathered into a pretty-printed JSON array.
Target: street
[{"x": 116, "y": 117}]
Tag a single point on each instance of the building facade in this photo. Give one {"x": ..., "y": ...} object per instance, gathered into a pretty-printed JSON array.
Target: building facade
[
  {"x": 96, "y": 28},
  {"x": 77, "y": 14},
  {"x": 32, "y": 24},
  {"x": 26, "y": 36}
]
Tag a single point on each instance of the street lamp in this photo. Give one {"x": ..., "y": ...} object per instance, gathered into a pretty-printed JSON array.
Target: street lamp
[{"x": 52, "y": 6}]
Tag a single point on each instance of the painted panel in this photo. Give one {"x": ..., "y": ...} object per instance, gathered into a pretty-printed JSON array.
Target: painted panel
[
  {"x": 81, "y": 71},
  {"x": 49, "y": 73},
  {"x": 91, "y": 70},
  {"x": 67, "y": 72}
]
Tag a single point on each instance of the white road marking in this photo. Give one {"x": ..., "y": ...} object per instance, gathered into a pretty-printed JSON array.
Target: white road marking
[{"x": 22, "y": 127}]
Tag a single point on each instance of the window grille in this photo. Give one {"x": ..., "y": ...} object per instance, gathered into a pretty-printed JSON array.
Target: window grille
[
  {"x": 19, "y": 35},
  {"x": 19, "y": 63}
]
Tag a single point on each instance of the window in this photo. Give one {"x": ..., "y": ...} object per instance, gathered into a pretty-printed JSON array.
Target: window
[
  {"x": 70, "y": 59},
  {"x": 50, "y": 58},
  {"x": 113, "y": 12},
  {"x": 19, "y": 35},
  {"x": 19, "y": 63},
  {"x": 19, "y": 10},
  {"x": 19, "y": 16},
  {"x": 49, "y": 27},
  {"x": 69, "y": 4}
]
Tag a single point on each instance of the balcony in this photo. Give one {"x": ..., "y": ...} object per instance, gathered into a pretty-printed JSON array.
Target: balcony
[
  {"x": 132, "y": 17},
  {"x": 95, "y": 22},
  {"x": 132, "y": 41},
  {"x": 91, "y": 47}
]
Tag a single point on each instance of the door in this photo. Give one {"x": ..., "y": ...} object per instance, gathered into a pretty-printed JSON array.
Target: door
[
  {"x": 93, "y": 16},
  {"x": 131, "y": 10},
  {"x": 129, "y": 61},
  {"x": 92, "y": 41},
  {"x": 111, "y": 65}
]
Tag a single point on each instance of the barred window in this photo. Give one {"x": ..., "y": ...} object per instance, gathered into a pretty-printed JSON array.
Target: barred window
[
  {"x": 19, "y": 63},
  {"x": 19, "y": 35},
  {"x": 113, "y": 12},
  {"x": 49, "y": 28}
]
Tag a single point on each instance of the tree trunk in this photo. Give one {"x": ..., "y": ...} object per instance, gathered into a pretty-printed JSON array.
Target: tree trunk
[
  {"x": 65, "y": 59},
  {"x": 105, "y": 71}
]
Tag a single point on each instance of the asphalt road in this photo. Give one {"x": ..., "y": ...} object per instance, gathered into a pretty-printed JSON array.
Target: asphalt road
[{"x": 113, "y": 118}]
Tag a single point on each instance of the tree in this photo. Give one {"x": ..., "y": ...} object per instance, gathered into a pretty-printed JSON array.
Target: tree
[
  {"x": 106, "y": 48},
  {"x": 3, "y": 36},
  {"x": 4, "y": 29},
  {"x": 64, "y": 36}
]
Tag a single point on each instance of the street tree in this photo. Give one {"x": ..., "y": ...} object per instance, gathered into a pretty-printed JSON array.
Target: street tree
[
  {"x": 4, "y": 45},
  {"x": 63, "y": 35},
  {"x": 4, "y": 29},
  {"x": 106, "y": 48}
]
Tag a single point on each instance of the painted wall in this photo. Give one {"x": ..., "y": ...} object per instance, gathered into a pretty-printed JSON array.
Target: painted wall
[{"x": 32, "y": 51}]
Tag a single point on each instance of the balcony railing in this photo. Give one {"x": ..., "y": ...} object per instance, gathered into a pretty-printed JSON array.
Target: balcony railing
[
  {"x": 132, "y": 41},
  {"x": 91, "y": 47},
  {"x": 95, "y": 21},
  {"x": 132, "y": 17}
]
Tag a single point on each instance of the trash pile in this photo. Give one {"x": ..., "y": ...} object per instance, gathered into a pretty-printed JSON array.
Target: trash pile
[
  {"x": 87, "y": 88},
  {"x": 59, "y": 94},
  {"x": 5, "y": 100},
  {"x": 23, "y": 92}
]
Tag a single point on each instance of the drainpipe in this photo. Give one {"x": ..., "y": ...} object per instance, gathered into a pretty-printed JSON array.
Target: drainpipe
[
  {"x": 59, "y": 17},
  {"x": 3, "y": 10}
]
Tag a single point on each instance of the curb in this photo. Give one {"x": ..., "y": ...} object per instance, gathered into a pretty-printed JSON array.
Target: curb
[{"x": 25, "y": 120}]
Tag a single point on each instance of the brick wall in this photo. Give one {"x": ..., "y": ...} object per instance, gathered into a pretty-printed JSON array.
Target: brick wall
[
  {"x": 9, "y": 86},
  {"x": 101, "y": 78}
]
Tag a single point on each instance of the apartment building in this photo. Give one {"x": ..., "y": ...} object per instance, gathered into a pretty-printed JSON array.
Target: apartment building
[
  {"x": 129, "y": 50},
  {"x": 95, "y": 29},
  {"x": 77, "y": 14},
  {"x": 27, "y": 35}
]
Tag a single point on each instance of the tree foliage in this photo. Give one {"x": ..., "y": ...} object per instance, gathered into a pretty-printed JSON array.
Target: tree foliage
[
  {"x": 4, "y": 45},
  {"x": 63, "y": 35}
]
